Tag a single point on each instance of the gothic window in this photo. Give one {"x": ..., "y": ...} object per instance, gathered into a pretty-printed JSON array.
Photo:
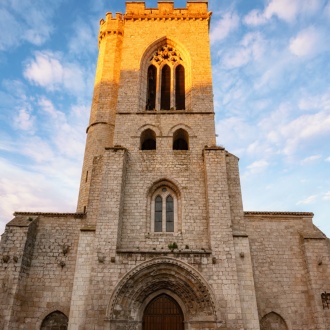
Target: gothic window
[
  {"x": 169, "y": 214},
  {"x": 166, "y": 88},
  {"x": 55, "y": 321},
  {"x": 179, "y": 88},
  {"x": 151, "y": 92},
  {"x": 164, "y": 210},
  {"x": 158, "y": 213},
  {"x": 180, "y": 140},
  {"x": 148, "y": 140},
  {"x": 166, "y": 80}
]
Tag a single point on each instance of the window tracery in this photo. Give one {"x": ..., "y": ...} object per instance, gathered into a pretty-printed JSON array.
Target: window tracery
[
  {"x": 165, "y": 80},
  {"x": 164, "y": 210}
]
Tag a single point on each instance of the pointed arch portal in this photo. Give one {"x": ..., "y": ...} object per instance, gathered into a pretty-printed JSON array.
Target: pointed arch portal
[
  {"x": 163, "y": 313},
  {"x": 163, "y": 290}
]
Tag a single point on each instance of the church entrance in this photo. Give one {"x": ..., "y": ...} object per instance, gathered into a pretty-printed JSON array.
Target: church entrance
[{"x": 163, "y": 313}]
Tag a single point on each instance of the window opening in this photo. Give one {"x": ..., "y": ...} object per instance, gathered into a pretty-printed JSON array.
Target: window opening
[
  {"x": 151, "y": 91},
  {"x": 166, "y": 88},
  {"x": 180, "y": 140},
  {"x": 158, "y": 214},
  {"x": 148, "y": 140},
  {"x": 55, "y": 321},
  {"x": 179, "y": 88},
  {"x": 169, "y": 214}
]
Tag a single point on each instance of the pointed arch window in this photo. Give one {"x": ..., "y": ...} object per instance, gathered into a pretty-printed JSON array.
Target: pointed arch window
[
  {"x": 164, "y": 210},
  {"x": 151, "y": 91},
  {"x": 166, "y": 87},
  {"x": 179, "y": 88},
  {"x": 169, "y": 214},
  {"x": 180, "y": 140},
  {"x": 158, "y": 214},
  {"x": 148, "y": 140}
]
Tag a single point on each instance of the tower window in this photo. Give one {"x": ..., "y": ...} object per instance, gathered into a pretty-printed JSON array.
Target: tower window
[
  {"x": 180, "y": 140},
  {"x": 151, "y": 93},
  {"x": 166, "y": 80},
  {"x": 166, "y": 88},
  {"x": 148, "y": 140},
  {"x": 179, "y": 88}
]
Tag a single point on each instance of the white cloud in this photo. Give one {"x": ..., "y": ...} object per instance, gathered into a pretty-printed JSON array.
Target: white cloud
[
  {"x": 255, "y": 18},
  {"x": 258, "y": 166},
  {"x": 307, "y": 43},
  {"x": 311, "y": 159},
  {"x": 84, "y": 40},
  {"x": 10, "y": 30},
  {"x": 286, "y": 10},
  {"x": 24, "y": 119},
  {"x": 45, "y": 70},
  {"x": 50, "y": 71},
  {"x": 24, "y": 189},
  {"x": 326, "y": 196},
  {"x": 21, "y": 21},
  {"x": 327, "y": 159},
  {"x": 308, "y": 200},
  {"x": 251, "y": 48},
  {"x": 222, "y": 28}
]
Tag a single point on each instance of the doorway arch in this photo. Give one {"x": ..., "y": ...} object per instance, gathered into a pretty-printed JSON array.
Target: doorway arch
[{"x": 163, "y": 313}]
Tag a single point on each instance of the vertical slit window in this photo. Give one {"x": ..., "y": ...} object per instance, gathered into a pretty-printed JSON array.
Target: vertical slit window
[
  {"x": 179, "y": 88},
  {"x": 151, "y": 91},
  {"x": 158, "y": 213},
  {"x": 169, "y": 214},
  {"x": 165, "y": 102}
]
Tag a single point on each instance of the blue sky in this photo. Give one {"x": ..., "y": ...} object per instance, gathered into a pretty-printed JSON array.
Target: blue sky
[{"x": 271, "y": 74}]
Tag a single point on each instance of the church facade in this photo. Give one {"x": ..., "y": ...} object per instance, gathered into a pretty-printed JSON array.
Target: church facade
[{"x": 160, "y": 240}]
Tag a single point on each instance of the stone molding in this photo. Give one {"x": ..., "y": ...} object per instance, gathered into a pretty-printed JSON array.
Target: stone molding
[{"x": 159, "y": 274}]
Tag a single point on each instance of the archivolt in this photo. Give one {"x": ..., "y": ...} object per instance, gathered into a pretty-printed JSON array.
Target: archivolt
[{"x": 157, "y": 275}]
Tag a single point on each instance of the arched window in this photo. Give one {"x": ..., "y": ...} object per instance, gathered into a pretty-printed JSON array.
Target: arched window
[
  {"x": 148, "y": 140},
  {"x": 179, "y": 88},
  {"x": 180, "y": 140},
  {"x": 158, "y": 214},
  {"x": 166, "y": 88},
  {"x": 164, "y": 210},
  {"x": 55, "y": 321},
  {"x": 169, "y": 214},
  {"x": 273, "y": 321},
  {"x": 151, "y": 90}
]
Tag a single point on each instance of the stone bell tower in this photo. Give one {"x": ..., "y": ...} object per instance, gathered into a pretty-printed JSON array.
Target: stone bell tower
[
  {"x": 162, "y": 201},
  {"x": 160, "y": 240}
]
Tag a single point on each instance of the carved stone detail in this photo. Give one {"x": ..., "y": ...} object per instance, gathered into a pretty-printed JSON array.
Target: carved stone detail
[
  {"x": 166, "y": 53},
  {"x": 157, "y": 275}
]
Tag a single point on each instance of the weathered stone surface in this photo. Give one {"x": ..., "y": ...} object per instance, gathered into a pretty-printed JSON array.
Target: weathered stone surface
[{"x": 101, "y": 267}]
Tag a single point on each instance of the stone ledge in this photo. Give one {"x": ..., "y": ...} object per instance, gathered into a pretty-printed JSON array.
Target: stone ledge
[
  {"x": 166, "y": 112},
  {"x": 50, "y": 214},
  {"x": 263, "y": 213},
  {"x": 164, "y": 252}
]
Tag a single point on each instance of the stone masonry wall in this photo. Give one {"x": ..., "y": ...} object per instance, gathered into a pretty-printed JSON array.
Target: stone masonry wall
[
  {"x": 46, "y": 275},
  {"x": 288, "y": 279}
]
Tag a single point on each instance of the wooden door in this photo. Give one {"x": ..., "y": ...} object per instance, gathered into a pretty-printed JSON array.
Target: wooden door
[{"x": 163, "y": 313}]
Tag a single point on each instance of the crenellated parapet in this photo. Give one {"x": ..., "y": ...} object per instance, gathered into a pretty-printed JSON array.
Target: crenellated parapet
[
  {"x": 166, "y": 11},
  {"x": 111, "y": 26}
]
